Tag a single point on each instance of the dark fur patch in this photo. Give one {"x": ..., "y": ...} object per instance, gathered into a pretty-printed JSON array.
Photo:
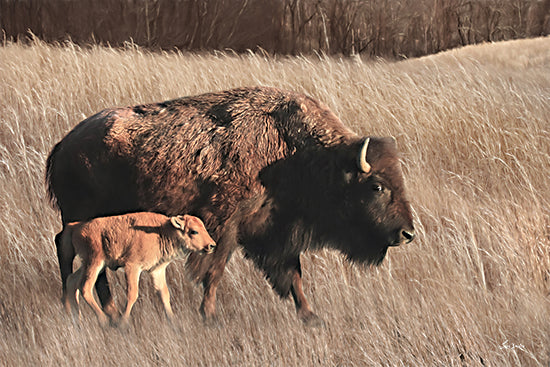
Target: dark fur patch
[
  {"x": 140, "y": 110},
  {"x": 220, "y": 114}
]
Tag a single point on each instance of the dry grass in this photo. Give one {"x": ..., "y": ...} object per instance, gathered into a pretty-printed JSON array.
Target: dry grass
[{"x": 474, "y": 128}]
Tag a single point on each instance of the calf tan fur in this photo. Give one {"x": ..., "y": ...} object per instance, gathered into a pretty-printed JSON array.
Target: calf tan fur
[{"x": 137, "y": 242}]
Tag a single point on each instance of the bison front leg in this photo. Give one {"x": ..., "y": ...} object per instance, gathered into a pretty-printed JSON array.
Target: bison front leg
[
  {"x": 303, "y": 308},
  {"x": 286, "y": 277},
  {"x": 210, "y": 283}
]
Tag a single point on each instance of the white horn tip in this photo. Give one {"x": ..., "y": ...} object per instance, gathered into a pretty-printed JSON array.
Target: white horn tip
[{"x": 364, "y": 166}]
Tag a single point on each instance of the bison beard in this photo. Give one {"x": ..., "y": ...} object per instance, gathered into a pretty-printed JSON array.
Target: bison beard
[{"x": 273, "y": 171}]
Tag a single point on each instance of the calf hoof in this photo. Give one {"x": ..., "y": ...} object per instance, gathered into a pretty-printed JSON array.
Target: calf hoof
[
  {"x": 103, "y": 321},
  {"x": 123, "y": 324},
  {"x": 66, "y": 305},
  {"x": 75, "y": 318},
  {"x": 176, "y": 327},
  {"x": 111, "y": 310},
  {"x": 171, "y": 320},
  {"x": 312, "y": 320}
]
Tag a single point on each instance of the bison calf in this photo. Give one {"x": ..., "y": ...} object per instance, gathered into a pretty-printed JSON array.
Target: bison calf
[{"x": 137, "y": 242}]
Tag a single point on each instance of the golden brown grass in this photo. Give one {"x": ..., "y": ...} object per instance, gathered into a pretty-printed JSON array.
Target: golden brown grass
[{"x": 474, "y": 128}]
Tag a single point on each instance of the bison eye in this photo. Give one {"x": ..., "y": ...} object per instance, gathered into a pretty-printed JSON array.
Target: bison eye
[
  {"x": 192, "y": 232},
  {"x": 377, "y": 187}
]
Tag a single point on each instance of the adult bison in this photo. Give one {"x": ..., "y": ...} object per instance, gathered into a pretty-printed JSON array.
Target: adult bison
[{"x": 273, "y": 171}]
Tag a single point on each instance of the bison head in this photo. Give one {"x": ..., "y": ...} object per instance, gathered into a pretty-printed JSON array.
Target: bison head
[
  {"x": 350, "y": 197},
  {"x": 376, "y": 210}
]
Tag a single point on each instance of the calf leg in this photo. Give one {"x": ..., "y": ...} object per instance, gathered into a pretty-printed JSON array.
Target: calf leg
[
  {"x": 71, "y": 301},
  {"x": 65, "y": 257},
  {"x": 105, "y": 297},
  {"x": 90, "y": 274},
  {"x": 159, "y": 280},
  {"x": 132, "y": 280}
]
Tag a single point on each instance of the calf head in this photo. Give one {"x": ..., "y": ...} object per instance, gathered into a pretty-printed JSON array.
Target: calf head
[{"x": 193, "y": 233}]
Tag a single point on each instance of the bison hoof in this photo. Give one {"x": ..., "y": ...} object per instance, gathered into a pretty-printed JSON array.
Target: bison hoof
[
  {"x": 211, "y": 321},
  {"x": 208, "y": 314},
  {"x": 312, "y": 320}
]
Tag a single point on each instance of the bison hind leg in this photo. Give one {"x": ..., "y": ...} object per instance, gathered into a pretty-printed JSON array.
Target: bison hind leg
[{"x": 65, "y": 257}]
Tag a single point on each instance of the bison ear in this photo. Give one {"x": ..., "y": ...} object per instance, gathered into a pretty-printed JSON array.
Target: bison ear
[
  {"x": 178, "y": 222},
  {"x": 348, "y": 176},
  {"x": 362, "y": 163}
]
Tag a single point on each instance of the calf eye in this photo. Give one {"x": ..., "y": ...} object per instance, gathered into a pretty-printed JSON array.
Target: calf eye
[{"x": 192, "y": 232}]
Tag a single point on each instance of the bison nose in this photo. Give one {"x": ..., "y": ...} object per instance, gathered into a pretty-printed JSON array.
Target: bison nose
[{"x": 407, "y": 236}]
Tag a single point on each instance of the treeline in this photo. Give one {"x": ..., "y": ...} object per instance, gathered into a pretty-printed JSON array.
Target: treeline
[{"x": 387, "y": 28}]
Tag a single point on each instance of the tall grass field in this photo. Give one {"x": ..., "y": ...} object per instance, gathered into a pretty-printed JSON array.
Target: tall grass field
[{"x": 473, "y": 289}]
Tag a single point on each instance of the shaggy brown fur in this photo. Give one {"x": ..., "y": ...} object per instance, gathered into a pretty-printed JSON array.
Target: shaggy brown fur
[
  {"x": 271, "y": 170},
  {"x": 138, "y": 242}
]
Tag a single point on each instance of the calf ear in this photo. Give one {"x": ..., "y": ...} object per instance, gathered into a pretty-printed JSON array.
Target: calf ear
[{"x": 178, "y": 222}]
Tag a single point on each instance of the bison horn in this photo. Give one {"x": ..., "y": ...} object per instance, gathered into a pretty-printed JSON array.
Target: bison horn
[{"x": 364, "y": 166}]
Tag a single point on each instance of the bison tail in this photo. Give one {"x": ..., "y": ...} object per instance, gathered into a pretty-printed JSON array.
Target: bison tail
[{"x": 50, "y": 164}]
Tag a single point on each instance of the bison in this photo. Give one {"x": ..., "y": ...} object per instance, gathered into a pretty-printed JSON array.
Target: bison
[
  {"x": 136, "y": 242},
  {"x": 273, "y": 171}
]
